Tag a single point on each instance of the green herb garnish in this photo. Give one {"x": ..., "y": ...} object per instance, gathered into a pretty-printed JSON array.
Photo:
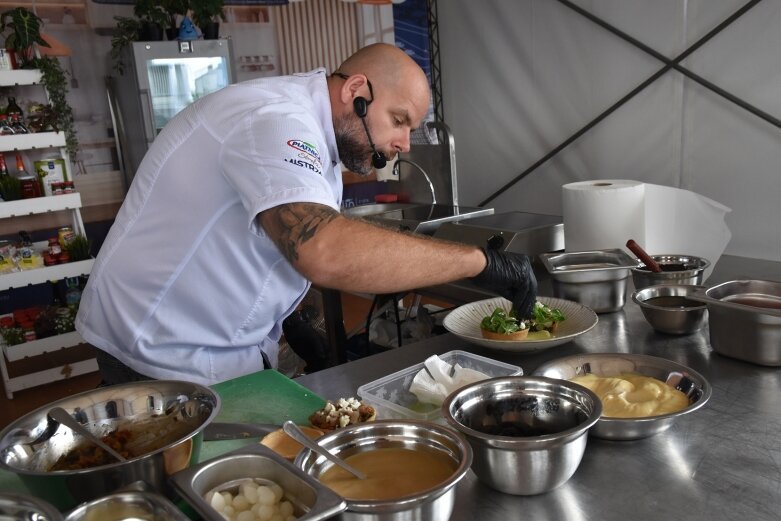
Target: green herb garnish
[
  {"x": 502, "y": 322},
  {"x": 545, "y": 317}
]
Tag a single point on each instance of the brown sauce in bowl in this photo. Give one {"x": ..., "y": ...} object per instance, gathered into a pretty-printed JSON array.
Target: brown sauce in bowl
[
  {"x": 391, "y": 473},
  {"x": 673, "y": 302},
  {"x": 670, "y": 267}
]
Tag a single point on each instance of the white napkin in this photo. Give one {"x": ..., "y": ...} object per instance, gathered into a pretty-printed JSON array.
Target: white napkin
[{"x": 438, "y": 379}]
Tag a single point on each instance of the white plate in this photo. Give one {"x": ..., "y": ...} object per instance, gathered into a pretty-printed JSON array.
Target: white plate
[{"x": 464, "y": 322}]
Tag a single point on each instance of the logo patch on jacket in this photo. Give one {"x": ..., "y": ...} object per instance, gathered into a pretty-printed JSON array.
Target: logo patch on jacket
[{"x": 306, "y": 154}]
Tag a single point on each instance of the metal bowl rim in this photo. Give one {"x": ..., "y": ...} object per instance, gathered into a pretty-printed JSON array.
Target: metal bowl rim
[
  {"x": 661, "y": 287},
  {"x": 535, "y": 440},
  {"x": 404, "y": 502},
  {"x": 28, "y": 472},
  {"x": 706, "y": 387}
]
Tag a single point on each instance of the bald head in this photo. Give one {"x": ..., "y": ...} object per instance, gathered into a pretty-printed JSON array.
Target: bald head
[
  {"x": 387, "y": 66},
  {"x": 393, "y": 95}
]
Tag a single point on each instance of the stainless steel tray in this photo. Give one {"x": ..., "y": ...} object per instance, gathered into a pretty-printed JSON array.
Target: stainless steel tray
[
  {"x": 589, "y": 266},
  {"x": 311, "y": 499}
]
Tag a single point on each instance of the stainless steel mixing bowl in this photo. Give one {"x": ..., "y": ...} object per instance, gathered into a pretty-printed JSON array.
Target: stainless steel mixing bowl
[
  {"x": 676, "y": 269},
  {"x": 166, "y": 417},
  {"x": 668, "y": 310},
  {"x": 686, "y": 380},
  {"x": 434, "y": 504},
  {"x": 528, "y": 433},
  {"x": 15, "y": 507}
]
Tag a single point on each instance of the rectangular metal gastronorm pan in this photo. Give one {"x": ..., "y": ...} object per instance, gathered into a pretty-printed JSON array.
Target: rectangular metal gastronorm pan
[{"x": 740, "y": 330}]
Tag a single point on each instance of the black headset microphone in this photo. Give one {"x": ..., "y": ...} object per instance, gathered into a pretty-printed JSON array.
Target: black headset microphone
[{"x": 361, "y": 107}]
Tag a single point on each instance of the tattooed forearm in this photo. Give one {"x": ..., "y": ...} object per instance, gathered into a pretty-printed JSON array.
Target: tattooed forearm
[{"x": 291, "y": 225}]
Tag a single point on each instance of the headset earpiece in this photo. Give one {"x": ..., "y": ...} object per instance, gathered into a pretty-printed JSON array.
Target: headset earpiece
[{"x": 361, "y": 106}]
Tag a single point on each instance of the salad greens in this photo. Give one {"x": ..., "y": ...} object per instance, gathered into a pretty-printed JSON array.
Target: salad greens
[
  {"x": 501, "y": 321},
  {"x": 545, "y": 317}
]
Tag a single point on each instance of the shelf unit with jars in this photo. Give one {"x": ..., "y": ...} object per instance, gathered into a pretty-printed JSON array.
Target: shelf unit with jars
[{"x": 53, "y": 143}]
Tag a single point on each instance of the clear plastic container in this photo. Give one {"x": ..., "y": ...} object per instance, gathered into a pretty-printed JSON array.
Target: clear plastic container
[{"x": 391, "y": 398}]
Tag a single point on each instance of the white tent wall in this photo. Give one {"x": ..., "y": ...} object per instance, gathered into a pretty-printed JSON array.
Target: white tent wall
[{"x": 521, "y": 76}]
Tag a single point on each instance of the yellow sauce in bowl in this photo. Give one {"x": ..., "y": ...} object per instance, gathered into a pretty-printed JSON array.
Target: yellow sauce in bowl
[{"x": 632, "y": 395}]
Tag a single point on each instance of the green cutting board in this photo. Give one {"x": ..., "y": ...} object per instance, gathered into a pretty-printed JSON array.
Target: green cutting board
[{"x": 263, "y": 397}]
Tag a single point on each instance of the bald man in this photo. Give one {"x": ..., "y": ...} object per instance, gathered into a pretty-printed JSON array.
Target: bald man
[{"x": 234, "y": 213}]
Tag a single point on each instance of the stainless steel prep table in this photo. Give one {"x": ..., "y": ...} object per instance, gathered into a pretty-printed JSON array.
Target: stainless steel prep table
[{"x": 722, "y": 462}]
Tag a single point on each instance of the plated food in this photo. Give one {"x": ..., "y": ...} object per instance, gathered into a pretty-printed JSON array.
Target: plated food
[
  {"x": 505, "y": 325},
  {"x": 343, "y": 412},
  {"x": 465, "y": 320}
]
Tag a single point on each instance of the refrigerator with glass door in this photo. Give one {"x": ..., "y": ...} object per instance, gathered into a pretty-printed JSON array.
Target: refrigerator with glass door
[{"x": 159, "y": 80}]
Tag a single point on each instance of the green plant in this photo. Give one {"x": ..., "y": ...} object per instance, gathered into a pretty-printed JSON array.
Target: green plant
[
  {"x": 25, "y": 32},
  {"x": 207, "y": 11},
  {"x": 150, "y": 11},
  {"x": 174, "y": 8},
  {"x": 125, "y": 33},
  {"x": 10, "y": 188},
  {"x": 12, "y": 335},
  {"x": 53, "y": 78},
  {"x": 79, "y": 248}
]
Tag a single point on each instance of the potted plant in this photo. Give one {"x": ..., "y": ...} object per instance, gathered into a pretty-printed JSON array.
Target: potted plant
[
  {"x": 206, "y": 15},
  {"x": 152, "y": 17},
  {"x": 126, "y": 32},
  {"x": 25, "y": 32},
  {"x": 174, "y": 9}
]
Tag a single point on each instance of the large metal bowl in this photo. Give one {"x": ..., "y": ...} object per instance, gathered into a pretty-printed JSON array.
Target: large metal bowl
[
  {"x": 686, "y": 380},
  {"x": 528, "y": 433},
  {"x": 166, "y": 417},
  {"x": 434, "y": 504},
  {"x": 676, "y": 269}
]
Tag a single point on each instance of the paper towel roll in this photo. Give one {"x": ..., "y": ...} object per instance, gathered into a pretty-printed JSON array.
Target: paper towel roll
[
  {"x": 606, "y": 213},
  {"x": 603, "y": 214}
]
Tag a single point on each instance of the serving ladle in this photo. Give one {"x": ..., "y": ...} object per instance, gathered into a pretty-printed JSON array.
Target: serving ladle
[
  {"x": 60, "y": 415},
  {"x": 292, "y": 430}
]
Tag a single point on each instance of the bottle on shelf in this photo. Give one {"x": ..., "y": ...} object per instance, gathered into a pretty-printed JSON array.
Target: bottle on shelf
[
  {"x": 17, "y": 126},
  {"x": 3, "y": 166},
  {"x": 31, "y": 186},
  {"x": 5, "y": 126},
  {"x": 14, "y": 108}
]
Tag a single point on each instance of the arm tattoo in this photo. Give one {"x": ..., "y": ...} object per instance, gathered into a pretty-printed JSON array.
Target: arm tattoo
[{"x": 291, "y": 225}]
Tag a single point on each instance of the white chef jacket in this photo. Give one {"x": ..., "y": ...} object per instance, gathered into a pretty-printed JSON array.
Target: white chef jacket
[{"x": 186, "y": 285}]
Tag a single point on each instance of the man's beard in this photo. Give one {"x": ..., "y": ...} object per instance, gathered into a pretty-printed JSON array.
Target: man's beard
[{"x": 352, "y": 145}]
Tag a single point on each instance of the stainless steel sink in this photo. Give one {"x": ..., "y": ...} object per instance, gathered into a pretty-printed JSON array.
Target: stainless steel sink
[{"x": 416, "y": 217}]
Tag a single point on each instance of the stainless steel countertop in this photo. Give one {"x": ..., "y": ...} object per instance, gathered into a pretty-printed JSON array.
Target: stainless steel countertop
[{"x": 722, "y": 462}]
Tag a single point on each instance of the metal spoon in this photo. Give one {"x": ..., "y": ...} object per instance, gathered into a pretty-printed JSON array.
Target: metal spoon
[
  {"x": 60, "y": 415},
  {"x": 292, "y": 430}
]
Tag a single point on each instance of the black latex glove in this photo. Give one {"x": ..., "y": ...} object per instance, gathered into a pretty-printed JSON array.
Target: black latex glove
[{"x": 510, "y": 275}]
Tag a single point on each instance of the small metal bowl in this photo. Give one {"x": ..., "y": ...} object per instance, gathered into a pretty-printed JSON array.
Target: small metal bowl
[
  {"x": 686, "y": 380},
  {"x": 668, "y": 310},
  {"x": 676, "y": 269},
  {"x": 528, "y": 434},
  {"x": 433, "y": 504}
]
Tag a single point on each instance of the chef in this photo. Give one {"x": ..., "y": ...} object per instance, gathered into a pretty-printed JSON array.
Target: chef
[{"x": 234, "y": 213}]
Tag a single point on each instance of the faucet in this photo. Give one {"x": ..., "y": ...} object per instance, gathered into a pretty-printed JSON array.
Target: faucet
[{"x": 430, "y": 184}]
